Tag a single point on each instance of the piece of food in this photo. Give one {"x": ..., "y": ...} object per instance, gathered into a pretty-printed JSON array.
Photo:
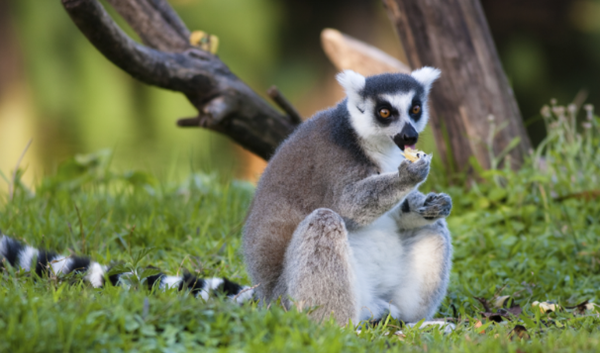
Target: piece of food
[
  {"x": 546, "y": 307},
  {"x": 413, "y": 155}
]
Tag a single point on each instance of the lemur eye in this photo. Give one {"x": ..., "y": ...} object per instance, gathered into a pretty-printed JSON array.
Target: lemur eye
[
  {"x": 384, "y": 113},
  {"x": 416, "y": 109}
]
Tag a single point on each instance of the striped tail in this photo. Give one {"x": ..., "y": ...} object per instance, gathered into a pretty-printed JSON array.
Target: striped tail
[{"x": 44, "y": 262}]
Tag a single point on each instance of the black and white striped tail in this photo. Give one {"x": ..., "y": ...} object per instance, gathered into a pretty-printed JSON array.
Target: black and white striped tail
[{"x": 45, "y": 262}]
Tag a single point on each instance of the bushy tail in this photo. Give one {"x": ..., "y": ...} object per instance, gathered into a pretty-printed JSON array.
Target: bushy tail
[{"x": 44, "y": 262}]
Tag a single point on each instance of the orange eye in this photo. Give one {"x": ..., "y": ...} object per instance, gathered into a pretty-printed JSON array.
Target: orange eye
[
  {"x": 384, "y": 113},
  {"x": 416, "y": 109}
]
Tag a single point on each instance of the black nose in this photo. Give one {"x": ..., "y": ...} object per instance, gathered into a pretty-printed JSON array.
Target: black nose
[
  {"x": 407, "y": 137},
  {"x": 410, "y": 140}
]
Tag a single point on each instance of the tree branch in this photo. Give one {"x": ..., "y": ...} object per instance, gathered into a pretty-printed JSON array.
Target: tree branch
[
  {"x": 155, "y": 22},
  {"x": 224, "y": 103},
  {"x": 284, "y": 104}
]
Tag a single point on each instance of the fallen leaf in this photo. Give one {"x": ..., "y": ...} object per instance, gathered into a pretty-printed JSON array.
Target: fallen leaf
[
  {"x": 502, "y": 312},
  {"x": 515, "y": 310}
]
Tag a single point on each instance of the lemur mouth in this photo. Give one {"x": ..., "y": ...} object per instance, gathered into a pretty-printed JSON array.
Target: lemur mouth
[{"x": 403, "y": 139}]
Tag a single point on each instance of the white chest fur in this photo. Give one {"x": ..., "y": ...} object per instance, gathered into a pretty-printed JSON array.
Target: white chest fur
[
  {"x": 385, "y": 154},
  {"x": 388, "y": 160}
]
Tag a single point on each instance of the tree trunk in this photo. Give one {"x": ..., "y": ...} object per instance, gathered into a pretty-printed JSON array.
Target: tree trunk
[{"x": 453, "y": 36}]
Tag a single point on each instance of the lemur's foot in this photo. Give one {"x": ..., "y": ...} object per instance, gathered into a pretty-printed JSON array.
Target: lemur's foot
[{"x": 436, "y": 206}]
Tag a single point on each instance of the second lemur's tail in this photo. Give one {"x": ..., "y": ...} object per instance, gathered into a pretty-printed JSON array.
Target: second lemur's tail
[{"x": 44, "y": 262}]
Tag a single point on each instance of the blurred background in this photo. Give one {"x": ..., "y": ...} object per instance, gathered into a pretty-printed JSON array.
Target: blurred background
[{"x": 59, "y": 92}]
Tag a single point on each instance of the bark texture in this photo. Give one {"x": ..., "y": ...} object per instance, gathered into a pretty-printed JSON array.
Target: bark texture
[
  {"x": 453, "y": 36},
  {"x": 167, "y": 60}
]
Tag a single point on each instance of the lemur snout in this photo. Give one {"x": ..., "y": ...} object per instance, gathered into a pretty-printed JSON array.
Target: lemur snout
[{"x": 407, "y": 137}]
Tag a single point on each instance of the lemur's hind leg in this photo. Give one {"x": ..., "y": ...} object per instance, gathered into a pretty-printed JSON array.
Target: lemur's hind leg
[
  {"x": 427, "y": 254},
  {"x": 426, "y": 261},
  {"x": 317, "y": 268}
]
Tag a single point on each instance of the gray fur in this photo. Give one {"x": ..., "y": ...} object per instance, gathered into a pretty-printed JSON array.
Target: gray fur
[
  {"x": 311, "y": 169},
  {"x": 317, "y": 270},
  {"x": 323, "y": 196},
  {"x": 366, "y": 200}
]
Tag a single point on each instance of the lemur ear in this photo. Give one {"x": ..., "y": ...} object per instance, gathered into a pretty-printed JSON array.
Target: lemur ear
[
  {"x": 352, "y": 82},
  {"x": 426, "y": 76}
]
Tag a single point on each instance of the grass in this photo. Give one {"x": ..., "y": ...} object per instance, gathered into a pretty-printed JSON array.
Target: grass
[{"x": 530, "y": 234}]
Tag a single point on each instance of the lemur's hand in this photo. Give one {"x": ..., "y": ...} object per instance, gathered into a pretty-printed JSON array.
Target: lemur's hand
[
  {"x": 435, "y": 206},
  {"x": 414, "y": 173}
]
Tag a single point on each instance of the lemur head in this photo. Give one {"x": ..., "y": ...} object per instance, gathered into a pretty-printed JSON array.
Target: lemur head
[{"x": 389, "y": 107}]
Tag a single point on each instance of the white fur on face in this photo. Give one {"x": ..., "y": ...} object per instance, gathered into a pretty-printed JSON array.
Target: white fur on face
[
  {"x": 376, "y": 140},
  {"x": 361, "y": 118},
  {"x": 352, "y": 83},
  {"x": 365, "y": 124},
  {"x": 403, "y": 102},
  {"x": 426, "y": 76}
]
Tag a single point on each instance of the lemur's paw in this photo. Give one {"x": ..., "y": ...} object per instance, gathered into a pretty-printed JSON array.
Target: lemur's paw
[
  {"x": 436, "y": 206},
  {"x": 415, "y": 172}
]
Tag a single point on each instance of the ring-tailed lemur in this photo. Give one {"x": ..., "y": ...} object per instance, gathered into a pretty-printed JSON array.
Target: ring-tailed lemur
[
  {"x": 44, "y": 262},
  {"x": 337, "y": 223}
]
